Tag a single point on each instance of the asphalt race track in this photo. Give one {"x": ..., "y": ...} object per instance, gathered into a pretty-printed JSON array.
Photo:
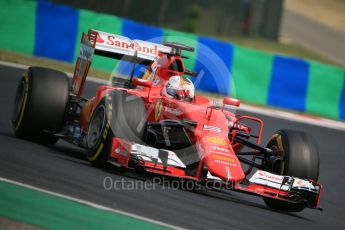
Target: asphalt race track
[{"x": 64, "y": 169}]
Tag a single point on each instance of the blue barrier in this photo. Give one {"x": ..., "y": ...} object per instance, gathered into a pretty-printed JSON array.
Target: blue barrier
[
  {"x": 56, "y": 31},
  {"x": 135, "y": 30},
  {"x": 214, "y": 60},
  {"x": 289, "y": 83},
  {"x": 342, "y": 101}
]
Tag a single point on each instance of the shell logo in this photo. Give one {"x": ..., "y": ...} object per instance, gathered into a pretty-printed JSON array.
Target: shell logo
[
  {"x": 222, "y": 158},
  {"x": 216, "y": 140}
]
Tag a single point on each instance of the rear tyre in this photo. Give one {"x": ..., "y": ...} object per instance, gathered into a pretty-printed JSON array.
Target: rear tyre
[
  {"x": 118, "y": 114},
  {"x": 40, "y": 104},
  {"x": 300, "y": 159}
]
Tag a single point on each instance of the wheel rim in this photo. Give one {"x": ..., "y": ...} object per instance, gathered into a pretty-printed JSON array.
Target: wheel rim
[
  {"x": 19, "y": 100},
  {"x": 277, "y": 149},
  {"x": 278, "y": 152},
  {"x": 96, "y": 127}
]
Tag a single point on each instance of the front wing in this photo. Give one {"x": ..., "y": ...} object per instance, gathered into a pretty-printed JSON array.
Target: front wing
[
  {"x": 285, "y": 188},
  {"x": 261, "y": 183}
]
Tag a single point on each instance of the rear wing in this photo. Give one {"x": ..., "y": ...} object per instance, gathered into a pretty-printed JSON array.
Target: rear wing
[{"x": 118, "y": 47}]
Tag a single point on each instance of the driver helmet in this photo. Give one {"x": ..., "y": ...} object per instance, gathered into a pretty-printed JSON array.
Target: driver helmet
[{"x": 179, "y": 87}]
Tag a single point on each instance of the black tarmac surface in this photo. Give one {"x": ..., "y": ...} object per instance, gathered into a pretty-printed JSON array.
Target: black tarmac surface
[{"x": 64, "y": 169}]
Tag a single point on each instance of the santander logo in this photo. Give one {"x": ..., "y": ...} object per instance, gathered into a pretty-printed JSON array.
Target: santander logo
[
  {"x": 99, "y": 39},
  {"x": 270, "y": 176},
  {"x": 125, "y": 44}
]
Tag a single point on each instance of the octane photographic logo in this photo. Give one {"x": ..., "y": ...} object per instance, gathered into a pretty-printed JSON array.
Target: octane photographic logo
[
  {"x": 209, "y": 67},
  {"x": 161, "y": 183}
]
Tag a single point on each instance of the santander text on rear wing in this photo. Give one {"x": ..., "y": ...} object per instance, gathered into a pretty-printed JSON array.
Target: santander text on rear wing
[
  {"x": 117, "y": 46},
  {"x": 113, "y": 46}
]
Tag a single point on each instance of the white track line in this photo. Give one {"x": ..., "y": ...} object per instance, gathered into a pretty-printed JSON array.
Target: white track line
[
  {"x": 93, "y": 205},
  {"x": 317, "y": 121}
]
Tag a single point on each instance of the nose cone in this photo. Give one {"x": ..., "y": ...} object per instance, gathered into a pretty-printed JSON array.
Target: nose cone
[{"x": 221, "y": 160}]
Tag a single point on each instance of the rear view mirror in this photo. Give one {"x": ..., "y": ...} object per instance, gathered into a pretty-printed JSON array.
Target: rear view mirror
[{"x": 231, "y": 101}]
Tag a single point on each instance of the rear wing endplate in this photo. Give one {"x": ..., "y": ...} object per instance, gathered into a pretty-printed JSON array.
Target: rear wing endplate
[{"x": 82, "y": 66}]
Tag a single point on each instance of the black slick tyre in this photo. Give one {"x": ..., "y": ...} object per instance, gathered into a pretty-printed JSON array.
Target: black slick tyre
[
  {"x": 40, "y": 104},
  {"x": 118, "y": 114},
  {"x": 300, "y": 159}
]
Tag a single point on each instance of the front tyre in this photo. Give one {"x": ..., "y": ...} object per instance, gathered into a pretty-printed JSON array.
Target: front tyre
[
  {"x": 118, "y": 114},
  {"x": 99, "y": 136},
  {"x": 300, "y": 156}
]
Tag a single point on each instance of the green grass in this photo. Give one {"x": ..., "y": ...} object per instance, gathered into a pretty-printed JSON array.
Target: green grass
[{"x": 52, "y": 212}]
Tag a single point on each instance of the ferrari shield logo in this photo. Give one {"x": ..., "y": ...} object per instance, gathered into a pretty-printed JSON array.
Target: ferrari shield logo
[{"x": 158, "y": 109}]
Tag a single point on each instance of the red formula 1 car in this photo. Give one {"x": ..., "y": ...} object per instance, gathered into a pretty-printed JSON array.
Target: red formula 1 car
[{"x": 153, "y": 121}]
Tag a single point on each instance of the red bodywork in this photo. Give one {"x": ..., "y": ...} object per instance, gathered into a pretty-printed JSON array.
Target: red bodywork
[
  {"x": 217, "y": 161},
  {"x": 214, "y": 148}
]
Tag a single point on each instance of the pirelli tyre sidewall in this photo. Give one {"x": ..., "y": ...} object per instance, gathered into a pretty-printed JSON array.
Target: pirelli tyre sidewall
[
  {"x": 20, "y": 104},
  {"x": 99, "y": 135},
  {"x": 40, "y": 104},
  {"x": 300, "y": 159},
  {"x": 118, "y": 114}
]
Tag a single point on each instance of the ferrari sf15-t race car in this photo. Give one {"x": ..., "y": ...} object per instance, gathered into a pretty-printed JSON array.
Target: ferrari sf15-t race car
[{"x": 153, "y": 121}]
